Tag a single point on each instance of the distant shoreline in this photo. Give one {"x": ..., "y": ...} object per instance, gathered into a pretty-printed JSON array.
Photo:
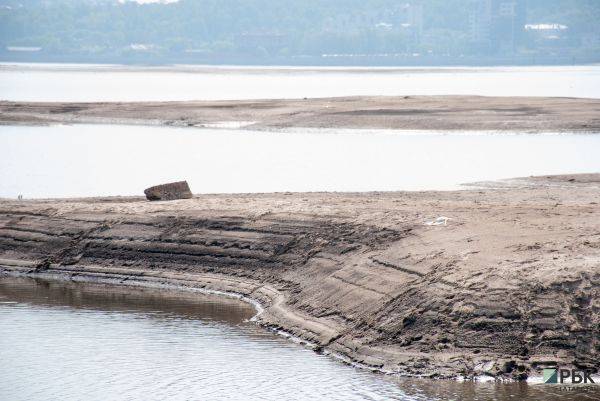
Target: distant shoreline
[
  {"x": 327, "y": 60},
  {"x": 270, "y": 68},
  {"x": 470, "y": 113}
]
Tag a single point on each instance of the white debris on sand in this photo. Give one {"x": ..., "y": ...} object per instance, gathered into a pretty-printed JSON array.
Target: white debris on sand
[{"x": 442, "y": 220}]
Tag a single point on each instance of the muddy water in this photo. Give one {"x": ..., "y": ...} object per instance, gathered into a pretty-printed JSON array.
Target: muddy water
[{"x": 68, "y": 341}]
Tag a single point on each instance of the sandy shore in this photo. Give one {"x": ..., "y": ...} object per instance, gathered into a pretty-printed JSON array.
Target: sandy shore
[
  {"x": 524, "y": 114},
  {"x": 509, "y": 285}
]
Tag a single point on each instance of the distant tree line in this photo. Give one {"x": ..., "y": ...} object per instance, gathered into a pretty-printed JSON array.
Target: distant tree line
[{"x": 281, "y": 28}]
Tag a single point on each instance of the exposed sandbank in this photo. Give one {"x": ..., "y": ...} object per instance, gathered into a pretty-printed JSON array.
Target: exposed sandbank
[
  {"x": 523, "y": 114},
  {"x": 508, "y": 286}
]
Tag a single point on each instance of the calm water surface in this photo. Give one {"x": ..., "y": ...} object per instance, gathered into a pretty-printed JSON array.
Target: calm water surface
[
  {"x": 95, "y": 160},
  {"x": 64, "y": 82},
  {"x": 72, "y": 341}
]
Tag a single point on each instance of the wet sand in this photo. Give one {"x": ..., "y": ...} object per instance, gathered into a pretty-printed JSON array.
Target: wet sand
[
  {"x": 508, "y": 285},
  {"x": 523, "y": 114}
]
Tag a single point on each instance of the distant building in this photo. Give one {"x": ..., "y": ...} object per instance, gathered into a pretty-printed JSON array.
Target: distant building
[
  {"x": 405, "y": 16},
  {"x": 411, "y": 17},
  {"x": 497, "y": 25},
  {"x": 549, "y": 38},
  {"x": 480, "y": 22},
  {"x": 548, "y": 31},
  {"x": 402, "y": 16},
  {"x": 27, "y": 49}
]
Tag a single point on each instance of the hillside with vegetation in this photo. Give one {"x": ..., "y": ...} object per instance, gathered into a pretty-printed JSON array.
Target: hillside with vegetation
[{"x": 285, "y": 29}]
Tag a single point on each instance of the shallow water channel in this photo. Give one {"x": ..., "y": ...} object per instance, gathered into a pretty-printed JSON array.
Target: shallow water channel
[{"x": 72, "y": 341}]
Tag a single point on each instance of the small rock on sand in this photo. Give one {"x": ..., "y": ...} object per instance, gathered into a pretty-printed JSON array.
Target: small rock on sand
[{"x": 170, "y": 191}]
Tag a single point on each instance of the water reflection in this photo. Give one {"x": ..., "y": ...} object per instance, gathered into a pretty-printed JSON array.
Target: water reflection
[
  {"x": 476, "y": 391},
  {"x": 70, "y": 341},
  {"x": 111, "y": 298}
]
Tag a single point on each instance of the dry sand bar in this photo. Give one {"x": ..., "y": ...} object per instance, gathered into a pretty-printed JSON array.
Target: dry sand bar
[
  {"x": 505, "y": 287},
  {"x": 522, "y": 114}
]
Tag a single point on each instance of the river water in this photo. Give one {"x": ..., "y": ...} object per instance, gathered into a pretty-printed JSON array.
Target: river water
[
  {"x": 95, "y": 160},
  {"x": 71, "y": 341},
  {"x": 72, "y": 82}
]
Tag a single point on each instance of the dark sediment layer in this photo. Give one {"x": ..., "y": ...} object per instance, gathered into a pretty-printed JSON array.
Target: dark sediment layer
[{"x": 508, "y": 286}]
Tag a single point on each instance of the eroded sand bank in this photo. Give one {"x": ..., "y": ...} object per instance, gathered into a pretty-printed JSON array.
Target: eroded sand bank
[
  {"x": 508, "y": 285},
  {"x": 523, "y": 114}
]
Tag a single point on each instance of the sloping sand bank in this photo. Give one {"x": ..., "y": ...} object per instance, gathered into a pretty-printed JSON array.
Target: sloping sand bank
[
  {"x": 508, "y": 285},
  {"x": 524, "y": 114}
]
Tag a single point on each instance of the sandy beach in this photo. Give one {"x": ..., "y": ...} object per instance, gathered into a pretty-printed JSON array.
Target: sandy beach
[
  {"x": 523, "y": 114},
  {"x": 506, "y": 285}
]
